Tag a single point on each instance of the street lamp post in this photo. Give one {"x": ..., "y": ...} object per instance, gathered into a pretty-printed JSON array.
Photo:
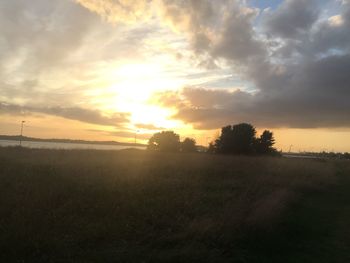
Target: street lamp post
[{"x": 20, "y": 138}]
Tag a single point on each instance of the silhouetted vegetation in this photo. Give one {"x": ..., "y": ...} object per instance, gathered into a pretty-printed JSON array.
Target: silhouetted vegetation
[
  {"x": 236, "y": 139},
  {"x": 165, "y": 141},
  {"x": 148, "y": 206},
  {"x": 211, "y": 148},
  {"x": 169, "y": 141},
  {"x": 240, "y": 139},
  {"x": 264, "y": 144},
  {"x": 188, "y": 145}
]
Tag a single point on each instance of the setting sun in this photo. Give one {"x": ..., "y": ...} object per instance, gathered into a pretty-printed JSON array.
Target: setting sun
[
  {"x": 134, "y": 85},
  {"x": 137, "y": 82}
]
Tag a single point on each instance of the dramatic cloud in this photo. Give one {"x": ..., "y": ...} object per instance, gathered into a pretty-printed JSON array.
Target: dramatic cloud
[
  {"x": 50, "y": 53},
  {"x": 332, "y": 35},
  {"x": 237, "y": 40},
  {"x": 292, "y": 17},
  {"x": 114, "y": 11},
  {"x": 301, "y": 79},
  {"x": 290, "y": 62},
  {"x": 315, "y": 95},
  {"x": 221, "y": 28},
  {"x": 74, "y": 113},
  {"x": 38, "y": 35},
  {"x": 39, "y": 40}
]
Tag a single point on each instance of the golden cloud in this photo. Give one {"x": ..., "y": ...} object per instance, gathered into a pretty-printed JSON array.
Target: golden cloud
[{"x": 125, "y": 11}]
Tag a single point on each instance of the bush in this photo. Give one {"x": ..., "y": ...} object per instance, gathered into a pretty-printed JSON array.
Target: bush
[{"x": 165, "y": 141}]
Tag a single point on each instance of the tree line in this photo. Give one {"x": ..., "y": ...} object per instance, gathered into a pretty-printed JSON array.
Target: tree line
[{"x": 234, "y": 139}]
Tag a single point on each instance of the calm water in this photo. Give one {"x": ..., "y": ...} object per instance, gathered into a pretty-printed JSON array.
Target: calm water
[{"x": 60, "y": 145}]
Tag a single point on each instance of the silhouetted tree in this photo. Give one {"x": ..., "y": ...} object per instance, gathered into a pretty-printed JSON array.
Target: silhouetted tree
[
  {"x": 224, "y": 144},
  {"x": 165, "y": 141},
  {"x": 211, "y": 148},
  {"x": 263, "y": 144},
  {"x": 236, "y": 139},
  {"x": 188, "y": 145}
]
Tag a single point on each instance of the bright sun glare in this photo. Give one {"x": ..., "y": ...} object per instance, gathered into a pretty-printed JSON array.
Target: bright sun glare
[{"x": 134, "y": 85}]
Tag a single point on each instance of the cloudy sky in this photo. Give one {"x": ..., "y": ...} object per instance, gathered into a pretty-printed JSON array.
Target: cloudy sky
[{"x": 107, "y": 69}]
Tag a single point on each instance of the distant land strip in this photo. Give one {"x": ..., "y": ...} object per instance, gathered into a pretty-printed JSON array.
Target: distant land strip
[{"x": 31, "y": 139}]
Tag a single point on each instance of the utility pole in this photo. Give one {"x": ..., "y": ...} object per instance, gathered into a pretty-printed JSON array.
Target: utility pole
[{"x": 20, "y": 138}]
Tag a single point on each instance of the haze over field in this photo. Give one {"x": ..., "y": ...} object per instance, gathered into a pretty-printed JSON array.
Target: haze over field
[
  {"x": 147, "y": 206},
  {"x": 107, "y": 69}
]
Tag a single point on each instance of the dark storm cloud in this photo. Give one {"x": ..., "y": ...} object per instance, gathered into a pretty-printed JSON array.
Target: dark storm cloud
[
  {"x": 220, "y": 29},
  {"x": 72, "y": 113},
  {"x": 334, "y": 34},
  {"x": 237, "y": 40},
  {"x": 327, "y": 37},
  {"x": 317, "y": 95},
  {"x": 301, "y": 77},
  {"x": 89, "y": 116},
  {"x": 292, "y": 17},
  {"x": 6, "y": 108},
  {"x": 204, "y": 98}
]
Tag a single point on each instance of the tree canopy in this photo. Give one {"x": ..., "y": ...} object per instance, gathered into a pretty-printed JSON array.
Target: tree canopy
[
  {"x": 236, "y": 139},
  {"x": 241, "y": 139},
  {"x": 188, "y": 145},
  {"x": 165, "y": 141},
  {"x": 264, "y": 143}
]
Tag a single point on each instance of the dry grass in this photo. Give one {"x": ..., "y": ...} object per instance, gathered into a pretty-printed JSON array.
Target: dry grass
[{"x": 134, "y": 206}]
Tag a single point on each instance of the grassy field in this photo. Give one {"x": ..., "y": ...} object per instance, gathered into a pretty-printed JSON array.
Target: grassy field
[{"x": 134, "y": 206}]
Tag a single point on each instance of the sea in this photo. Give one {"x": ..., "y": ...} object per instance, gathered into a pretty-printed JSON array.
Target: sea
[{"x": 68, "y": 146}]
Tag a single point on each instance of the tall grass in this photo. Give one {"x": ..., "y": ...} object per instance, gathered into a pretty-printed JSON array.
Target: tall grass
[{"x": 135, "y": 206}]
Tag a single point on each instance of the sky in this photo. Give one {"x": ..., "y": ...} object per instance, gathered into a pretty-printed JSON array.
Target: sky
[{"x": 116, "y": 69}]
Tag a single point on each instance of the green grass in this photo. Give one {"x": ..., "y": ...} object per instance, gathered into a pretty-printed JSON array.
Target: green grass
[{"x": 134, "y": 206}]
